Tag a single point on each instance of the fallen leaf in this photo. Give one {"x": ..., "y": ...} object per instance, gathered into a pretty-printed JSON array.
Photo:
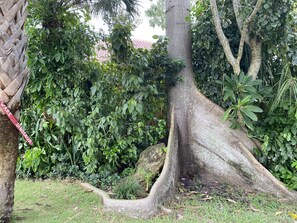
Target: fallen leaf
[
  {"x": 166, "y": 210},
  {"x": 231, "y": 201},
  {"x": 293, "y": 215},
  {"x": 254, "y": 209},
  {"x": 278, "y": 213},
  {"x": 207, "y": 198},
  {"x": 181, "y": 190},
  {"x": 90, "y": 190}
]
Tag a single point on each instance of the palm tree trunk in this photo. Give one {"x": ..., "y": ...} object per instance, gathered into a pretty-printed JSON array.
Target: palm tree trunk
[
  {"x": 8, "y": 158},
  {"x": 13, "y": 79}
]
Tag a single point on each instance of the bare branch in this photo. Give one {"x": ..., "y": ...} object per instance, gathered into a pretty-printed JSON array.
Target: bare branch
[
  {"x": 236, "y": 6},
  {"x": 223, "y": 40},
  {"x": 255, "y": 11},
  {"x": 240, "y": 50},
  {"x": 245, "y": 38}
]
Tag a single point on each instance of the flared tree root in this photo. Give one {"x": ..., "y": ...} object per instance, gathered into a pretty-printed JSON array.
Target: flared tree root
[
  {"x": 222, "y": 154},
  {"x": 162, "y": 190},
  {"x": 215, "y": 153}
]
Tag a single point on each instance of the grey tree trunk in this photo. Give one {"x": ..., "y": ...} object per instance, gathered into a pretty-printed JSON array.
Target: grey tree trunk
[
  {"x": 13, "y": 79},
  {"x": 178, "y": 31},
  {"x": 208, "y": 148}
]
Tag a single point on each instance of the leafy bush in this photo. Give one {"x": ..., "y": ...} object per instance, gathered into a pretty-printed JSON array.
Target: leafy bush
[
  {"x": 88, "y": 120},
  {"x": 279, "y": 149},
  {"x": 274, "y": 92}
]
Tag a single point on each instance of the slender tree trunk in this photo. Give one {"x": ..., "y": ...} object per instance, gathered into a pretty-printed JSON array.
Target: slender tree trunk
[
  {"x": 13, "y": 79},
  {"x": 254, "y": 43}
]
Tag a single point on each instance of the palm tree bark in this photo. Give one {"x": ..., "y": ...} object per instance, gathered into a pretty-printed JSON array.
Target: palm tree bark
[
  {"x": 8, "y": 158},
  {"x": 13, "y": 79}
]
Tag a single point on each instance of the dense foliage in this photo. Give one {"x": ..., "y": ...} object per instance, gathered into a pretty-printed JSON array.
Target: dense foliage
[
  {"x": 275, "y": 90},
  {"x": 88, "y": 120}
]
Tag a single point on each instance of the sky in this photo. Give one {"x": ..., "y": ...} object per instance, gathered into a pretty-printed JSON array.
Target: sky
[{"x": 143, "y": 30}]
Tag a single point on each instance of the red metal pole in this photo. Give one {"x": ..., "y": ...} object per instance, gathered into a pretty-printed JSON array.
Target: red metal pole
[{"x": 15, "y": 122}]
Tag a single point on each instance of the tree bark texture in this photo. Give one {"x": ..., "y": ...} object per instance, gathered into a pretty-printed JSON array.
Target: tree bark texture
[
  {"x": 179, "y": 46},
  {"x": 8, "y": 158},
  {"x": 256, "y": 57},
  {"x": 13, "y": 79},
  {"x": 13, "y": 66}
]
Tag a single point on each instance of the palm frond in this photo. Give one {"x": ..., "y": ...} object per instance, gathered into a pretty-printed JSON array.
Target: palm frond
[
  {"x": 287, "y": 88},
  {"x": 113, "y": 7}
]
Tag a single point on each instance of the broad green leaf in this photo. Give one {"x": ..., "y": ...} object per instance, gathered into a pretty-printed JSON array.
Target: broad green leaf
[
  {"x": 248, "y": 122},
  {"x": 246, "y": 100},
  {"x": 253, "y": 108},
  {"x": 249, "y": 114},
  {"x": 226, "y": 114}
]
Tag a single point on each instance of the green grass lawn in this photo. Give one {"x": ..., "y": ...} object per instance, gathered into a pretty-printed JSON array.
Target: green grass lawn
[{"x": 56, "y": 201}]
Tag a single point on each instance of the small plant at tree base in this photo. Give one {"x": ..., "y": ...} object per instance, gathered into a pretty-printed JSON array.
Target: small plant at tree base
[
  {"x": 148, "y": 178},
  {"x": 128, "y": 188}
]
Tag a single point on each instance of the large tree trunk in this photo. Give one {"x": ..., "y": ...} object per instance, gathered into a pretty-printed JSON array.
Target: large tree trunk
[
  {"x": 208, "y": 148},
  {"x": 13, "y": 78},
  {"x": 200, "y": 144}
]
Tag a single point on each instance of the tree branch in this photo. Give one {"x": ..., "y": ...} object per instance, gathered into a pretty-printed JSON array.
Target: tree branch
[
  {"x": 236, "y": 6},
  {"x": 240, "y": 50},
  {"x": 243, "y": 27},
  {"x": 255, "y": 11},
  {"x": 223, "y": 40}
]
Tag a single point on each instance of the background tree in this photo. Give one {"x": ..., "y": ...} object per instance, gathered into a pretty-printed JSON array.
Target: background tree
[
  {"x": 156, "y": 14},
  {"x": 13, "y": 79},
  {"x": 114, "y": 7}
]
